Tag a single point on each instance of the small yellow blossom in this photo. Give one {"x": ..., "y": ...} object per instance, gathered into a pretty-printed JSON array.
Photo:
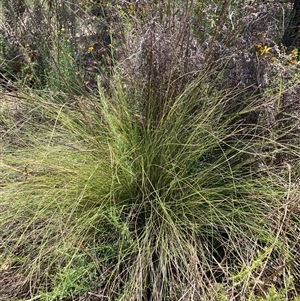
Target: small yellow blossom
[
  {"x": 91, "y": 48},
  {"x": 293, "y": 57},
  {"x": 262, "y": 50},
  {"x": 294, "y": 53}
]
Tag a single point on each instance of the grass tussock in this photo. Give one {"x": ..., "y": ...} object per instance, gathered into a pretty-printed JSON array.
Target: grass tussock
[
  {"x": 118, "y": 201},
  {"x": 159, "y": 163}
]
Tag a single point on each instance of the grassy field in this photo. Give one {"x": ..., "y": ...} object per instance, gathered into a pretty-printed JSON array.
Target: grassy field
[{"x": 149, "y": 151}]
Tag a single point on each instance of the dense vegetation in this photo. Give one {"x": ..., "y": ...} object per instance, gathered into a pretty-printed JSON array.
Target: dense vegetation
[{"x": 149, "y": 150}]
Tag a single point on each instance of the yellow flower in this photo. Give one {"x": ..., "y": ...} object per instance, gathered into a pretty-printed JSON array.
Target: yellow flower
[
  {"x": 293, "y": 57},
  {"x": 261, "y": 50},
  {"x": 91, "y": 48},
  {"x": 294, "y": 53}
]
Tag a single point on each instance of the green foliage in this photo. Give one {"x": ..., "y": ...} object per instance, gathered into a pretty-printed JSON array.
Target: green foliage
[
  {"x": 161, "y": 183},
  {"x": 63, "y": 74},
  {"x": 71, "y": 280},
  {"x": 138, "y": 196}
]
